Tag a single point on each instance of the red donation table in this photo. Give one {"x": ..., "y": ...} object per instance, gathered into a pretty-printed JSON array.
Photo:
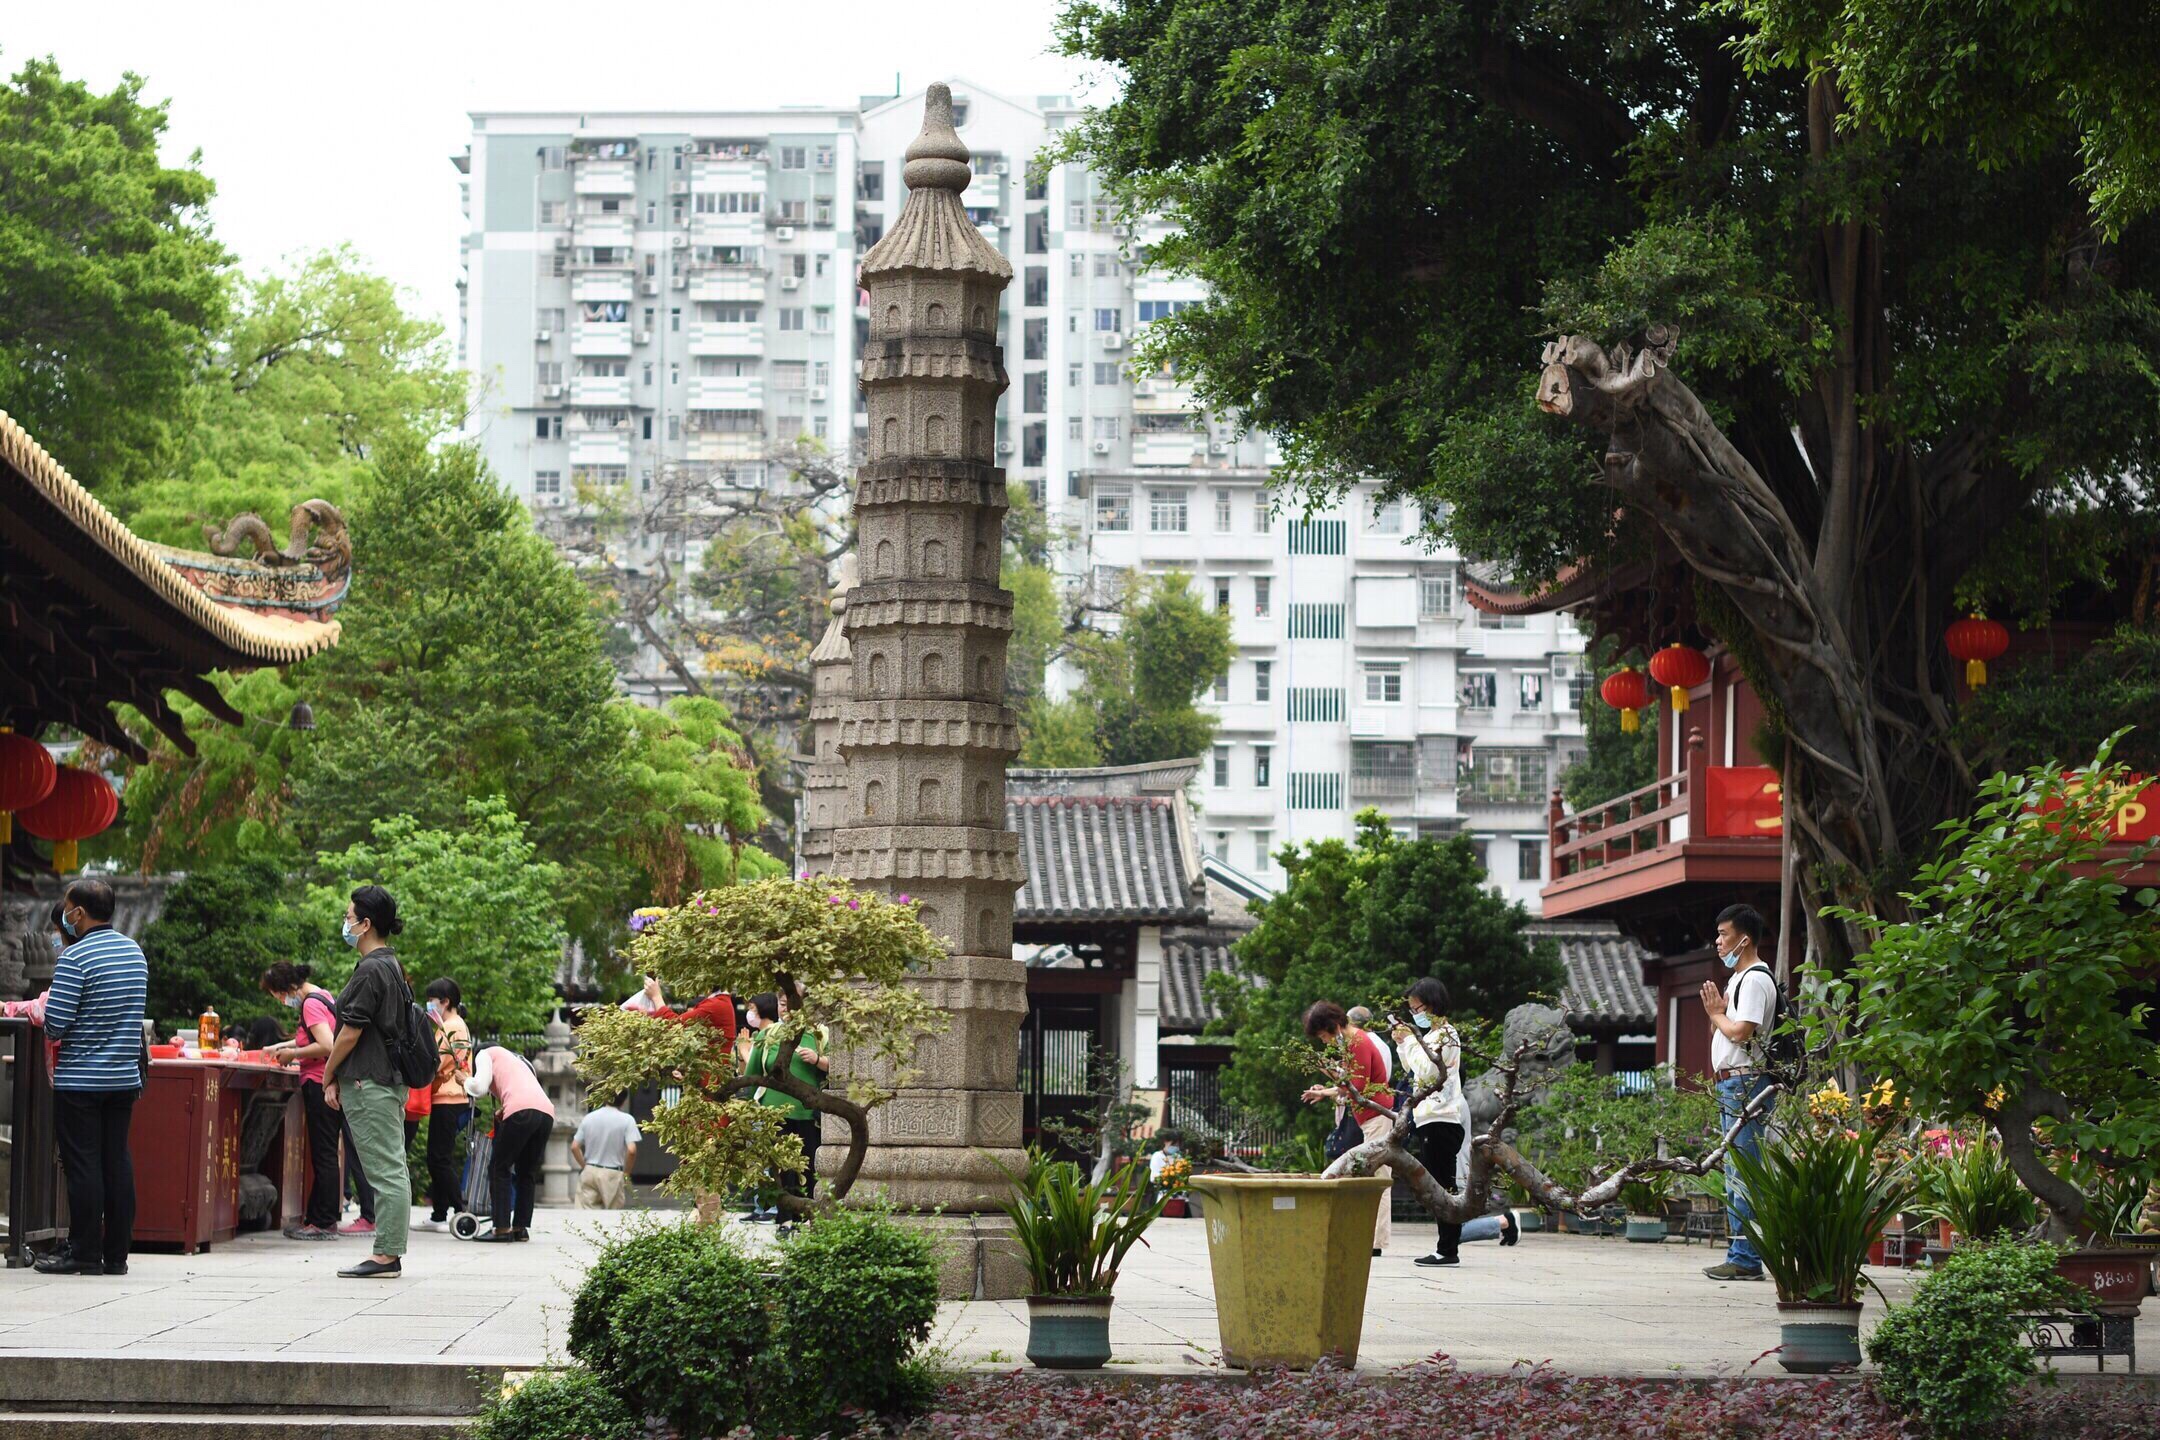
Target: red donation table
[{"x": 192, "y": 1133}]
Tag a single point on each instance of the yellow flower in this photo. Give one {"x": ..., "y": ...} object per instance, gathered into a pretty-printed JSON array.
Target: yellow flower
[
  {"x": 1995, "y": 1098},
  {"x": 1830, "y": 1103}
]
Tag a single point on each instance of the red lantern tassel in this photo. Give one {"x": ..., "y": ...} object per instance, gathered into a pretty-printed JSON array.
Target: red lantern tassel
[
  {"x": 1630, "y": 721},
  {"x": 1976, "y": 673},
  {"x": 1679, "y": 700},
  {"x": 63, "y": 856}
]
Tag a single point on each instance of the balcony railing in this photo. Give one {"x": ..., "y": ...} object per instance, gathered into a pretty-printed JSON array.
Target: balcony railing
[
  {"x": 1389, "y": 785},
  {"x": 1633, "y": 824}
]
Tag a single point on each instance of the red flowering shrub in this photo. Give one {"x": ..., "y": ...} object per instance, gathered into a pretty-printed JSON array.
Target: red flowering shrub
[{"x": 1435, "y": 1399}]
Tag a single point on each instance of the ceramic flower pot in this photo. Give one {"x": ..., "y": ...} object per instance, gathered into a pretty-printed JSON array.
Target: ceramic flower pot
[
  {"x": 2117, "y": 1277},
  {"x": 1069, "y": 1332},
  {"x": 1818, "y": 1339},
  {"x": 1646, "y": 1229},
  {"x": 1174, "y": 1208}
]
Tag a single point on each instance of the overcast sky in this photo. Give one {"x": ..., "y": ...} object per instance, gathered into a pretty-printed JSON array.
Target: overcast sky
[{"x": 325, "y": 124}]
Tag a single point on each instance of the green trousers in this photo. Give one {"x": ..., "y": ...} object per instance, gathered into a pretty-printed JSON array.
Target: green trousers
[{"x": 377, "y": 1115}]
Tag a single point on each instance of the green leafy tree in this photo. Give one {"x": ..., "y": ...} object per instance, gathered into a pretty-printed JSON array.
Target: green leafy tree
[
  {"x": 2018, "y": 993},
  {"x": 1855, "y": 353},
  {"x": 1139, "y": 684},
  {"x": 1357, "y": 923},
  {"x": 1615, "y": 762},
  {"x": 479, "y": 904},
  {"x": 111, "y": 276},
  {"x": 690, "y": 801},
  {"x": 1061, "y": 734},
  {"x": 220, "y": 929},
  {"x": 471, "y": 665}
]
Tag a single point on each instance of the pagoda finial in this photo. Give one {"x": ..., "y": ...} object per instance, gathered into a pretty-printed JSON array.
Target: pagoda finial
[{"x": 938, "y": 160}]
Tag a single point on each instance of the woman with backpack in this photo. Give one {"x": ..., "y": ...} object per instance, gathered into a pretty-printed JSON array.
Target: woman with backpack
[{"x": 289, "y": 985}]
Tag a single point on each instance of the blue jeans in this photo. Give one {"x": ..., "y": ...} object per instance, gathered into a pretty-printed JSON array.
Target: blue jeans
[{"x": 1732, "y": 1097}]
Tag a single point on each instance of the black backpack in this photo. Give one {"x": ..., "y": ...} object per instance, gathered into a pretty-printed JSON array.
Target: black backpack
[
  {"x": 1783, "y": 1048},
  {"x": 411, "y": 1046}
]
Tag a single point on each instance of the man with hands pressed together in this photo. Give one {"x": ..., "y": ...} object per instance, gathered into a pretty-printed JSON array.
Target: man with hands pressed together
[{"x": 1740, "y": 1018}]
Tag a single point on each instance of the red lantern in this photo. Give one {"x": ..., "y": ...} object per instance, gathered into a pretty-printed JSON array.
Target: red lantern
[
  {"x": 1627, "y": 692},
  {"x": 81, "y": 805},
  {"x": 26, "y": 777},
  {"x": 1680, "y": 668},
  {"x": 1977, "y": 640}
]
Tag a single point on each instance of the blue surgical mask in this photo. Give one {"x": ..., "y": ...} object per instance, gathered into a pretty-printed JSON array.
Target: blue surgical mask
[
  {"x": 292, "y": 1001},
  {"x": 58, "y": 944},
  {"x": 352, "y": 936},
  {"x": 67, "y": 926},
  {"x": 434, "y": 1010},
  {"x": 1732, "y": 959},
  {"x": 1423, "y": 1020}
]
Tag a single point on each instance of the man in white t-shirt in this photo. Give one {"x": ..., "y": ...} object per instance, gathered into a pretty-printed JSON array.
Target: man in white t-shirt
[{"x": 1741, "y": 1017}]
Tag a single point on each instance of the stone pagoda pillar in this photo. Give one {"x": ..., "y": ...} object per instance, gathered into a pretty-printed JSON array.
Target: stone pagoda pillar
[
  {"x": 924, "y": 733},
  {"x": 825, "y": 780}
]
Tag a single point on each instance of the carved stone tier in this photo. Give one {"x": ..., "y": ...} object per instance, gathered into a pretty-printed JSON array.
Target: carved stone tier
[
  {"x": 928, "y": 724},
  {"x": 919, "y": 481},
  {"x": 922, "y": 604},
  {"x": 964, "y": 359}
]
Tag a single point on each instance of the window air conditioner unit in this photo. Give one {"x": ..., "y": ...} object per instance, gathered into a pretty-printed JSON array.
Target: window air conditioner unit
[
  {"x": 1102, "y": 447},
  {"x": 679, "y": 242},
  {"x": 562, "y": 241},
  {"x": 1120, "y": 231},
  {"x": 783, "y": 233},
  {"x": 678, "y": 187},
  {"x": 542, "y": 337},
  {"x": 648, "y": 286},
  {"x": 681, "y": 280},
  {"x": 1000, "y": 167},
  {"x": 1005, "y": 447},
  {"x": 1113, "y": 341},
  {"x": 817, "y": 392},
  {"x": 644, "y": 337},
  {"x": 791, "y": 282},
  {"x": 551, "y": 392},
  {"x": 1218, "y": 447}
]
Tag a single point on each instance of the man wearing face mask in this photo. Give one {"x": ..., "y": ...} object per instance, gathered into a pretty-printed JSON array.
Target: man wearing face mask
[
  {"x": 360, "y": 1078},
  {"x": 1740, "y": 1017},
  {"x": 95, "y": 1011}
]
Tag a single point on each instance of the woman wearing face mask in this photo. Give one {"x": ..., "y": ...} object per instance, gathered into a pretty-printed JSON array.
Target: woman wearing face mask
[
  {"x": 309, "y": 1047},
  {"x": 452, "y": 1110},
  {"x": 758, "y": 1012},
  {"x": 1429, "y": 1047}
]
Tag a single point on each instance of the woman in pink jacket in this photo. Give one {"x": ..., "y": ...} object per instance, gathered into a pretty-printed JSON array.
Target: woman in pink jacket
[{"x": 524, "y": 1118}]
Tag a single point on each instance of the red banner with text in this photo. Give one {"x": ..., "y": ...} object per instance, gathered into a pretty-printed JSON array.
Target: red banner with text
[{"x": 1743, "y": 800}]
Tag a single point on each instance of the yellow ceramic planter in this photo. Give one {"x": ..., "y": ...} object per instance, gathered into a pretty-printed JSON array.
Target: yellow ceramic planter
[{"x": 1290, "y": 1256}]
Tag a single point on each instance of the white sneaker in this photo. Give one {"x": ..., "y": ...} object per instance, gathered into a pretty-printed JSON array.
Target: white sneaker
[{"x": 430, "y": 1225}]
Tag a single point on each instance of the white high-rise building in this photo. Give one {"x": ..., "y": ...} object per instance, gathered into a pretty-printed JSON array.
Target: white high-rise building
[{"x": 651, "y": 291}]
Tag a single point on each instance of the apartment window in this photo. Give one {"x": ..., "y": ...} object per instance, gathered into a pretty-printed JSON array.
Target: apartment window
[
  {"x": 817, "y": 265},
  {"x": 554, "y": 212},
  {"x": 1382, "y": 770},
  {"x": 674, "y": 372},
  {"x": 820, "y": 426},
  {"x": 1219, "y": 845},
  {"x": 1263, "y": 767},
  {"x": 1263, "y": 595},
  {"x": 1263, "y": 849},
  {"x": 1076, "y": 219},
  {"x": 1222, "y": 594},
  {"x": 1316, "y": 790},
  {"x": 1507, "y": 777},
  {"x": 1076, "y": 264},
  {"x": 1317, "y": 537},
  {"x": 1113, "y": 508},
  {"x": 1153, "y": 310},
  {"x": 1072, "y": 378},
  {"x": 1035, "y": 289},
  {"x": 726, "y": 314},
  {"x": 674, "y": 319},
  {"x": 1038, "y": 232},
  {"x": 791, "y": 318},
  {"x": 1263, "y": 681},
  {"x": 1109, "y": 318},
  {"x": 872, "y": 180},
  {"x": 1386, "y": 518},
  {"x": 1222, "y": 512},
  {"x": 959, "y": 112},
  {"x": 1478, "y": 689},
  {"x": 1530, "y": 860},
  {"x": 1383, "y": 683},
  {"x": 822, "y": 213},
  {"x": 1530, "y": 690},
  {"x": 793, "y": 211},
  {"x": 551, "y": 319},
  {"x": 1483, "y": 850},
  {"x": 794, "y": 157},
  {"x": 1315, "y": 621},
  {"x": 674, "y": 427},
  {"x": 735, "y": 202},
  {"x": 551, "y": 157},
  {"x": 1222, "y": 688},
  {"x": 547, "y": 427},
  {"x": 1489, "y": 621},
  {"x": 599, "y": 476},
  {"x": 1222, "y": 767},
  {"x": 821, "y": 374},
  {"x": 788, "y": 427},
  {"x": 559, "y": 264},
  {"x": 1038, "y": 189},
  {"x": 824, "y": 157},
  {"x": 1166, "y": 511},
  {"x": 1035, "y": 392},
  {"x": 604, "y": 369},
  {"x": 1074, "y": 424},
  {"x": 1263, "y": 519},
  {"x": 1108, "y": 427},
  {"x": 1436, "y": 597},
  {"x": 821, "y": 319},
  {"x": 1034, "y": 447},
  {"x": 790, "y": 374},
  {"x": 652, "y": 212},
  {"x": 1316, "y": 706},
  {"x": 1099, "y": 216},
  {"x": 648, "y": 372},
  {"x": 548, "y": 372},
  {"x": 1106, "y": 372}
]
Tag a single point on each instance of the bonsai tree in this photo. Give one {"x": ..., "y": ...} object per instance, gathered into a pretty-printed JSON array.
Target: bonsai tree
[
  {"x": 841, "y": 958},
  {"x": 2017, "y": 994}
]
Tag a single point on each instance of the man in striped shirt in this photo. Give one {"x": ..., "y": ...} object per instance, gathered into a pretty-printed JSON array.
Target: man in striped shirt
[{"x": 95, "y": 1012}]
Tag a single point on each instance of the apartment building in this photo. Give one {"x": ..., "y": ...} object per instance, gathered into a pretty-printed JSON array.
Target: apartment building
[{"x": 647, "y": 291}]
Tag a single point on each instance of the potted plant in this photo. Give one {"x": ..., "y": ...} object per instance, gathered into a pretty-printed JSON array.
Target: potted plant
[
  {"x": 1968, "y": 1189},
  {"x": 1175, "y": 1173},
  {"x": 1073, "y": 1236},
  {"x": 1645, "y": 1200},
  {"x": 1821, "y": 1199}
]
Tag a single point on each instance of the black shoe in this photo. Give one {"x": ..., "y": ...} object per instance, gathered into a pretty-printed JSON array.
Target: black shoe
[
  {"x": 62, "y": 1263},
  {"x": 1436, "y": 1258},
  {"x": 119, "y": 1269},
  {"x": 521, "y": 1233},
  {"x": 495, "y": 1237},
  {"x": 1510, "y": 1228},
  {"x": 372, "y": 1268},
  {"x": 1376, "y": 1252}
]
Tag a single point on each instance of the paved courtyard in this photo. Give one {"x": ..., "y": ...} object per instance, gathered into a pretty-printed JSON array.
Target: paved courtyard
[{"x": 1590, "y": 1306}]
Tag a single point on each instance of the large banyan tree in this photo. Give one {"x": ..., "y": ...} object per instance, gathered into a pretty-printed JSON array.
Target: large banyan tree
[{"x": 1846, "y": 329}]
